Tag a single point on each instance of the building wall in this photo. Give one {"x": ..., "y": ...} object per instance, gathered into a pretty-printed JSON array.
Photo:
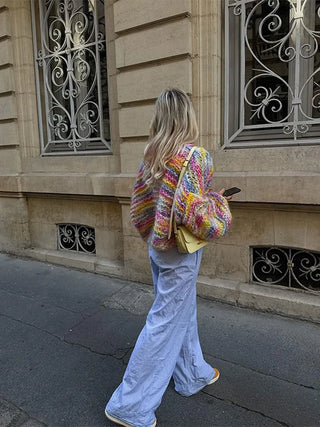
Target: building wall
[{"x": 151, "y": 44}]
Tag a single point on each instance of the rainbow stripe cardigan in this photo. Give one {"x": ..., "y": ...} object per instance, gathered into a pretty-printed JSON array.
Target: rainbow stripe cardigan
[{"x": 204, "y": 212}]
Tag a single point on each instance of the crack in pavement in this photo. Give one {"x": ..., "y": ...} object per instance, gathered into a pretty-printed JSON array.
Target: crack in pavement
[
  {"x": 261, "y": 373},
  {"x": 84, "y": 317},
  {"x": 247, "y": 409},
  {"x": 22, "y": 417},
  {"x": 113, "y": 355},
  {"x": 127, "y": 349}
]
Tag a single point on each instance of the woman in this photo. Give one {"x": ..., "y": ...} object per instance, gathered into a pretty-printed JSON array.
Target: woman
[{"x": 169, "y": 344}]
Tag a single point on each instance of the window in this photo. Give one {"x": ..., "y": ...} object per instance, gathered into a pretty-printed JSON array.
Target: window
[
  {"x": 76, "y": 237},
  {"x": 294, "y": 268},
  {"x": 272, "y": 63},
  {"x": 71, "y": 76}
]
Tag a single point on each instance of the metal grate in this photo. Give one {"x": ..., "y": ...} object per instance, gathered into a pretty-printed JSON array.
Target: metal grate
[
  {"x": 76, "y": 237},
  {"x": 71, "y": 76},
  {"x": 272, "y": 66},
  {"x": 293, "y": 268}
]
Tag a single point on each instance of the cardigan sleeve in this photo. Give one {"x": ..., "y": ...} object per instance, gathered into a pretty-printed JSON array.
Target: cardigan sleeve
[
  {"x": 204, "y": 212},
  {"x": 142, "y": 209}
]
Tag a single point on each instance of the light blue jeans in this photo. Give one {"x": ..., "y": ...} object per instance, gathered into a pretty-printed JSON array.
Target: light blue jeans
[{"x": 168, "y": 345}]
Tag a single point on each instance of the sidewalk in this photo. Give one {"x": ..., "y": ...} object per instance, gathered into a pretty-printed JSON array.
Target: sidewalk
[{"x": 66, "y": 337}]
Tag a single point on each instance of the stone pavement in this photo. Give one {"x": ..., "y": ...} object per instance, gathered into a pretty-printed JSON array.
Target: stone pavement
[{"x": 66, "y": 337}]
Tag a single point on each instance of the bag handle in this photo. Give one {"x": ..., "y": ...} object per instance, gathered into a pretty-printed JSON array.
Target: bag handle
[{"x": 182, "y": 172}]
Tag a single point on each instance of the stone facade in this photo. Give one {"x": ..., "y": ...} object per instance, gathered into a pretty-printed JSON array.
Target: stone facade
[{"x": 151, "y": 44}]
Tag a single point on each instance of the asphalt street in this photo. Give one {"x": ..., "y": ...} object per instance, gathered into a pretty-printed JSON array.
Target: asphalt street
[{"x": 66, "y": 337}]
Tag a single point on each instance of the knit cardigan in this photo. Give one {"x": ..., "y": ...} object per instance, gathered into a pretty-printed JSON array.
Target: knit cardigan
[{"x": 204, "y": 212}]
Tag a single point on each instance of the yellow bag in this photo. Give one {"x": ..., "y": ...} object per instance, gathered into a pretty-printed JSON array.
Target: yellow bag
[{"x": 186, "y": 241}]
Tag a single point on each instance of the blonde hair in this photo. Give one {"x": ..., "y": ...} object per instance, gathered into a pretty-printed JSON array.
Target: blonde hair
[{"x": 172, "y": 126}]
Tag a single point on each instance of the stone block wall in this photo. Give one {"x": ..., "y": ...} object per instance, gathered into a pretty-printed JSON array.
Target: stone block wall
[
  {"x": 260, "y": 225},
  {"x": 104, "y": 216},
  {"x": 151, "y": 44}
]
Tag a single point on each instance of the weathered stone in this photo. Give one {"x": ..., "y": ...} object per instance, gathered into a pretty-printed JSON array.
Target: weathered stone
[
  {"x": 5, "y": 27},
  {"x": 232, "y": 262},
  {"x": 109, "y": 244},
  {"x": 133, "y": 13},
  {"x": 136, "y": 259},
  {"x": 68, "y": 259},
  {"x": 290, "y": 229},
  {"x": 6, "y": 81},
  {"x": 9, "y": 182},
  {"x": 148, "y": 82},
  {"x": 250, "y": 225},
  {"x": 131, "y": 155},
  {"x": 312, "y": 230},
  {"x": 8, "y": 109},
  {"x": 154, "y": 43},
  {"x": 6, "y": 52},
  {"x": 289, "y": 303},
  {"x": 43, "y": 235},
  {"x": 14, "y": 235},
  {"x": 9, "y": 134},
  {"x": 128, "y": 228},
  {"x": 135, "y": 121}
]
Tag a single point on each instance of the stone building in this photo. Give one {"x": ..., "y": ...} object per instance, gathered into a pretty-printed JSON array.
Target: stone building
[{"x": 78, "y": 80}]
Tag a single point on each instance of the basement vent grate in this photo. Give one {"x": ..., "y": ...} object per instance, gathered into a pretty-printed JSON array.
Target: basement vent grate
[
  {"x": 293, "y": 268},
  {"x": 76, "y": 238}
]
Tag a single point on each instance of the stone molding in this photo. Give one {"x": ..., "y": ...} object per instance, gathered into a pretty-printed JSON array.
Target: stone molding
[{"x": 288, "y": 188}]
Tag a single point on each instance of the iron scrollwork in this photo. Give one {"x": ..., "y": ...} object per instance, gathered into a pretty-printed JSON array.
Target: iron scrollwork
[
  {"x": 279, "y": 65},
  {"x": 287, "y": 267},
  {"x": 73, "y": 95},
  {"x": 75, "y": 237}
]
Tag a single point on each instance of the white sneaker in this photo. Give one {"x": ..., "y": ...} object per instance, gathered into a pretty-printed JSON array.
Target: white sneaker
[
  {"x": 122, "y": 422},
  {"x": 215, "y": 378}
]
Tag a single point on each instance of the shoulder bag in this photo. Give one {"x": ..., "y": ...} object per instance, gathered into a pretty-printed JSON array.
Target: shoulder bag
[{"x": 186, "y": 241}]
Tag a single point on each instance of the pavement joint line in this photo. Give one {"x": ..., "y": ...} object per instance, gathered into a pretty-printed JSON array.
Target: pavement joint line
[
  {"x": 113, "y": 355},
  {"x": 84, "y": 317},
  {"x": 261, "y": 373},
  {"x": 247, "y": 409}
]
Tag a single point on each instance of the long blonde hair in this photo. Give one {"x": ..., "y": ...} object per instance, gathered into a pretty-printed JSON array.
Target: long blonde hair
[{"x": 172, "y": 126}]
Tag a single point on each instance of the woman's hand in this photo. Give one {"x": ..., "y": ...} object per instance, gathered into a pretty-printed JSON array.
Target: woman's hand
[{"x": 222, "y": 191}]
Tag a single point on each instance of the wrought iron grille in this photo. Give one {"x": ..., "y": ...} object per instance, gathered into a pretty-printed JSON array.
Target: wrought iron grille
[
  {"x": 293, "y": 268},
  {"x": 76, "y": 237},
  {"x": 71, "y": 76},
  {"x": 272, "y": 63}
]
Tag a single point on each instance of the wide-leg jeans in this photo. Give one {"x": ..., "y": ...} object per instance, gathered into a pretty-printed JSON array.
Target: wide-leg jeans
[{"x": 168, "y": 345}]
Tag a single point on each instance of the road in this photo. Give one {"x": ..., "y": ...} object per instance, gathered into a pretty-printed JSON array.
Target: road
[{"x": 66, "y": 336}]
